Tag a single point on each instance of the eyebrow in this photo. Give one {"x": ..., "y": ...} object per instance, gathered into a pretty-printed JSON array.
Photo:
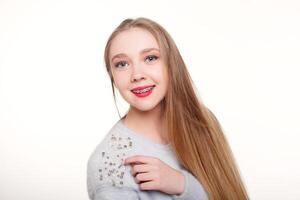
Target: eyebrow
[{"x": 141, "y": 52}]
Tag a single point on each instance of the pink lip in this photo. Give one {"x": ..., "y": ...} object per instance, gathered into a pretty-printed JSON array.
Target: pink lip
[
  {"x": 142, "y": 87},
  {"x": 143, "y": 94}
]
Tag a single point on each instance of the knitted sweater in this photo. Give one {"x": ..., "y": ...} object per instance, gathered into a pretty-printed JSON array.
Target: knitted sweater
[{"x": 108, "y": 179}]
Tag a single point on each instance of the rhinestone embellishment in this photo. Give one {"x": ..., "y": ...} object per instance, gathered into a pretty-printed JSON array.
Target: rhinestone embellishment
[{"x": 112, "y": 170}]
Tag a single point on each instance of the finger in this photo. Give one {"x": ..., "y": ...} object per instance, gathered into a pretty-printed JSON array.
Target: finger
[
  {"x": 149, "y": 185},
  {"x": 139, "y": 159},
  {"x": 142, "y": 168},
  {"x": 140, "y": 177}
]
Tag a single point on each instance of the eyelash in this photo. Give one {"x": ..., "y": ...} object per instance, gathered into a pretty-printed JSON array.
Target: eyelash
[{"x": 122, "y": 62}]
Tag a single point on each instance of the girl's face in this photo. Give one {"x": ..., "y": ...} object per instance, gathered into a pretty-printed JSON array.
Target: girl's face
[{"x": 135, "y": 61}]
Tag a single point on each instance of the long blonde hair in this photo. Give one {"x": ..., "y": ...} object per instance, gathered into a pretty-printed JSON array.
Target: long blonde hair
[{"x": 193, "y": 130}]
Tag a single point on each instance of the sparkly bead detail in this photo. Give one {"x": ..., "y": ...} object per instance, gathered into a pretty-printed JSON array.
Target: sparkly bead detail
[{"x": 112, "y": 170}]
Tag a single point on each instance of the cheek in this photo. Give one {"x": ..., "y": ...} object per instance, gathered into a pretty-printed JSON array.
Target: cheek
[
  {"x": 157, "y": 73},
  {"x": 121, "y": 81},
  {"x": 164, "y": 75}
]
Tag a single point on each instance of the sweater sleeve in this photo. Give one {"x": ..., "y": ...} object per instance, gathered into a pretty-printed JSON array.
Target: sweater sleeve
[
  {"x": 115, "y": 193},
  {"x": 106, "y": 175},
  {"x": 193, "y": 189}
]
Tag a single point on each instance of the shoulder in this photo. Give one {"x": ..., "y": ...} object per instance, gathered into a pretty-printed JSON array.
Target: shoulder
[{"x": 105, "y": 168}]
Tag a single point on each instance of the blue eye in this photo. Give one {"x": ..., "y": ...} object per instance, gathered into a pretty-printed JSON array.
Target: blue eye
[
  {"x": 118, "y": 63},
  {"x": 152, "y": 57}
]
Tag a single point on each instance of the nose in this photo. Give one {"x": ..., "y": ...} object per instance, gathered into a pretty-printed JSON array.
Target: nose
[
  {"x": 136, "y": 79},
  {"x": 137, "y": 74}
]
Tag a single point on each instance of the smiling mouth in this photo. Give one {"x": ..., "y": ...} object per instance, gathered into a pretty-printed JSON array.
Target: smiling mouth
[{"x": 143, "y": 90}]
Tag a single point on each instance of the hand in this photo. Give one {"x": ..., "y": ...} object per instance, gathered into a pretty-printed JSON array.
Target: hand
[{"x": 153, "y": 174}]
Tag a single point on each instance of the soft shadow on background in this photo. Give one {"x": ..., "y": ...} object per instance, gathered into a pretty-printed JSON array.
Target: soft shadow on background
[{"x": 56, "y": 102}]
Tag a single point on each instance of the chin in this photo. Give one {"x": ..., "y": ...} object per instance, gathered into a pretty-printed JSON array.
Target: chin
[{"x": 144, "y": 106}]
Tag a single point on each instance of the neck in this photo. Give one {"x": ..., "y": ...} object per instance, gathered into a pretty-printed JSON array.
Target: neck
[{"x": 149, "y": 123}]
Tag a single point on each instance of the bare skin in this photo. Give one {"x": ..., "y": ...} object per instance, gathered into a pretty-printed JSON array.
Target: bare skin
[
  {"x": 148, "y": 123},
  {"x": 136, "y": 61},
  {"x": 151, "y": 173}
]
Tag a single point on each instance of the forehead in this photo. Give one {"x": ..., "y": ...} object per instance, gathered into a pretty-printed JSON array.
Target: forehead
[{"x": 132, "y": 41}]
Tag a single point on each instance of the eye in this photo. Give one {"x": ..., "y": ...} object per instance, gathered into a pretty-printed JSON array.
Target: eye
[
  {"x": 152, "y": 57},
  {"x": 121, "y": 62}
]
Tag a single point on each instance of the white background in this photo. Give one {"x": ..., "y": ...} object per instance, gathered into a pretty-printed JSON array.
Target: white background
[{"x": 56, "y": 102}]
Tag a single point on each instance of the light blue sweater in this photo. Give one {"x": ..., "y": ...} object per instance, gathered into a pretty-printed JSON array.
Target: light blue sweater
[{"x": 108, "y": 179}]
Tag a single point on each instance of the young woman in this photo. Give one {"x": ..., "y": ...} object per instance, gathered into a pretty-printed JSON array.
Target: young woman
[{"x": 168, "y": 145}]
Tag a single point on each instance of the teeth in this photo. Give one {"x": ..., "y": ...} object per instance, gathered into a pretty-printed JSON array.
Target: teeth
[{"x": 143, "y": 90}]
